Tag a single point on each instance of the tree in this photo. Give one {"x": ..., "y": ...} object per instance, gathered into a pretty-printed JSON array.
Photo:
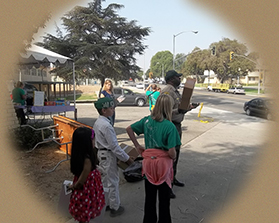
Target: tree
[
  {"x": 226, "y": 69},
  {"x": 179, "y": 60},
  {"x": 102, "y": 44},
  {"x": 196, "y": 63},
  {"x": 200, "y": 60},
  {"x": 161, "y": 62}
]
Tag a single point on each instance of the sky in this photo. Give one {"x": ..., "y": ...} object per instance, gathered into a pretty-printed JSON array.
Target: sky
[{"x": 165, "y": 19}]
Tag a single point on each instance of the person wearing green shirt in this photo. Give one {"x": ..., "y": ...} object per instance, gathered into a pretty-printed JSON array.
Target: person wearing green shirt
[
  {"x": 19, "y": 97},
  {"x": 160, "y": 138},
  {"x": 152, "y": 95}
]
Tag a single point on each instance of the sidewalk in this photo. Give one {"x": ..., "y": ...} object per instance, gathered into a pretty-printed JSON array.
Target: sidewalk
[
  {"x": 215, "y": 157},
  {"x": 218, "y": 152}
]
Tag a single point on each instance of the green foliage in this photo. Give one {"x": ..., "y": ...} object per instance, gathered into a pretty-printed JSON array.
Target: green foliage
[
  {"x": 180, "y": 58},
  {"x": 102, "y": 44},
  {"x": 26, "y": 138},
  {"x": 161, "y": 62},
  {"x": 200, "y": 60}
]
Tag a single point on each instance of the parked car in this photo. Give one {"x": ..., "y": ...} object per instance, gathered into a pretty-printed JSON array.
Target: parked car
[
  {"x": 236, "y": 90},
  {"x": 260, "y": 107},
  {"x": 29, "y": 89},
  {"x": 140, "y": 85},
  {"x": 127, "y": 97}
]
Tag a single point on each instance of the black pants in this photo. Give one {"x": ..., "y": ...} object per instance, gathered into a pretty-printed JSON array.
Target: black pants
[
  {"x": 177, "y": 148},
  {"x": 21, "y": 116},
  {"x": 150, "y": 213}
]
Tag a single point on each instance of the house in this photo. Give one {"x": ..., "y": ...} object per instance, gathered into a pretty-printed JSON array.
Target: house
[{"x": 34, "y": 68}]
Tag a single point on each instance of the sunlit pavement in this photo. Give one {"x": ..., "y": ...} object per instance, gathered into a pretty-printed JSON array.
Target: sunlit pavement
[{"x": 219, "y": 151}]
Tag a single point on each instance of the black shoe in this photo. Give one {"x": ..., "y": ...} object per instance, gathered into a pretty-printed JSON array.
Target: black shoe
[
  {"x": 108, "y": 208},
  {"x": 119, "y": 211},
  {"x": 178, "y": 183},
  {"x": 172, "y": 195}
]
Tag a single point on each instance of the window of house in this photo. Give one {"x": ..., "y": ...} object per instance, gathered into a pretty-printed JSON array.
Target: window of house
[
  {"x": 34, "y": 71},
  {"x": 39, "y": 72},
  {"x": 24, "y": 71}
]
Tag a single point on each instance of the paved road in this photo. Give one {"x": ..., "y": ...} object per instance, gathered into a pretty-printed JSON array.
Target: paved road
[{"x": 219, "y": 151}]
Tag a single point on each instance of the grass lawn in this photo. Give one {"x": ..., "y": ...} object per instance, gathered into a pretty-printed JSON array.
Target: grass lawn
[
  {"x": 253, "y": 91},
  {"x": 83, "y": 97}
]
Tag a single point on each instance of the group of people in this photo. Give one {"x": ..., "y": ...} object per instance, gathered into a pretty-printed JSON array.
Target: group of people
[{"x": 162, "y": 138}]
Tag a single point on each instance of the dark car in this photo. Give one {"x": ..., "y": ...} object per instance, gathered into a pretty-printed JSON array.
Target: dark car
[
  {"x": 260, "y": 107},
  {"x": 29, "y": 89},
  {"x": 125, "y": 96}
]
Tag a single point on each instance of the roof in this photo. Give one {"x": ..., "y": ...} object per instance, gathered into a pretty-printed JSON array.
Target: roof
[{"x": 36, "y": 56}]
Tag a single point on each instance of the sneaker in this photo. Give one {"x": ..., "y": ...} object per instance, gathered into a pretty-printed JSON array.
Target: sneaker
[
  {"x": 108, "y": 208},
  {"x": 114, "y": 213}
]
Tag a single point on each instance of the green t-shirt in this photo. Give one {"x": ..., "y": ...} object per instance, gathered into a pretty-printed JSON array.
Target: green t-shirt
[
  {"x": 152, "y": 97},
  {"x": 17, "y": 96},
  {"x": 163, "y": 135}
]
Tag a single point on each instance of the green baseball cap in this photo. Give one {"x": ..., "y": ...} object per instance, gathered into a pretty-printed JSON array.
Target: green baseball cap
[{"x": 105, "y": 102}]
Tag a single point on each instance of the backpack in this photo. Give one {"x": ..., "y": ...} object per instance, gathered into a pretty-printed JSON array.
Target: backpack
[{"x": 133, "y": 172}]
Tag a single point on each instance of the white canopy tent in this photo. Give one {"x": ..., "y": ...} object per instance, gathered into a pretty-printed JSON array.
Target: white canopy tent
[{"x": 38, "y": 56}]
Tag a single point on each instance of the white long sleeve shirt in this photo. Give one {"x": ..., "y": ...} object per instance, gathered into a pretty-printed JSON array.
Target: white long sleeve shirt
[{"x": 105, "y": 137}]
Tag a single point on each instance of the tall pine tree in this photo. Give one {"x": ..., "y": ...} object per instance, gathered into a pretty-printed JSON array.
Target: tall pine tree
[{"x": 102, "y": 44}]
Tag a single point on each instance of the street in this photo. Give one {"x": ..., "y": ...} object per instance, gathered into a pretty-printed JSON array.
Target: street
[
  {"x": 219, "y": 151},
  {"x": 228, "y": 102}
]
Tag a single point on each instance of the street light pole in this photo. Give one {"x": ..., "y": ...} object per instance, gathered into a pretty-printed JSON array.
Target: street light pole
[{"x": 173, "y": 44}]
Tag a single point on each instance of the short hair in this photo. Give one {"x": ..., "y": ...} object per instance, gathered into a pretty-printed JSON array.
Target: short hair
[
  {"x": 106, "y": 82},
  {"x": 163, "y": 108},
  {"x": 19, "y": 84},
  {"x": 154, "y": 87}
]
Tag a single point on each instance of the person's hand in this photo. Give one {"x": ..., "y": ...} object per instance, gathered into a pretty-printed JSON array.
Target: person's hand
[
  {"x": 70, "y": 187},
  {"x": 130, "y": 160},
  {"x": 194, "y": 105},
  {"x": 182, "y": 111}
]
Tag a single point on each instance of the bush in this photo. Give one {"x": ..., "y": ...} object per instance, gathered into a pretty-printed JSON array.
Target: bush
[{"x": 26, "y": 137}]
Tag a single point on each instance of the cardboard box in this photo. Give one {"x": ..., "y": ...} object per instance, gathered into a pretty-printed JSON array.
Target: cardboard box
[
  {"x": 130, "y": 151},
  {"x": 187, "y": 93}
]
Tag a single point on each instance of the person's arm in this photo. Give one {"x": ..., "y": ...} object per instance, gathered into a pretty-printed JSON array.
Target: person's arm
[
  {"x": 148, "y": 88},
  {"x": 23, "y": 94},
  {"x": 87, "y": 166},
  {"x": 112, "y": 144},
  {"x": 191, "y": 106},
  {"x": 133, "y": 138},
  {"x": 172, "y": 153}
]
